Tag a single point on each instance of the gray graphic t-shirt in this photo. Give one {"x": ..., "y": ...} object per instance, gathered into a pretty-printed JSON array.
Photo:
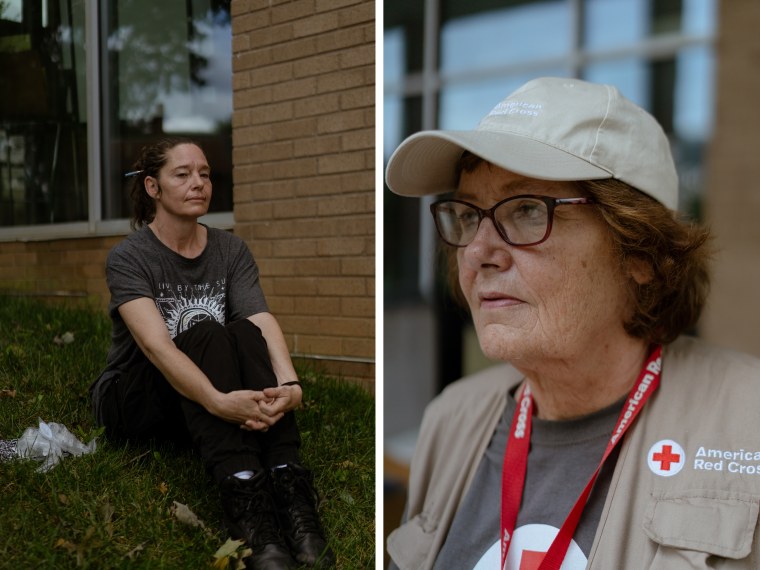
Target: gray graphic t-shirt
[{"x": 222, "y": 284}]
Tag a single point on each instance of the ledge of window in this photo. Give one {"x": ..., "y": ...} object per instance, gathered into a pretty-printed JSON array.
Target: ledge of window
[{"x": 76, "y": 230}]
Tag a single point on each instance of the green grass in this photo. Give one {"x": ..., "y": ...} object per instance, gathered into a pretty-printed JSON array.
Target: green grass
[{"x": 111, "y": 509}]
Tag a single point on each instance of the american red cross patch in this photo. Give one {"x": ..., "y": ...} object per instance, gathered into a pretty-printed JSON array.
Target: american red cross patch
[{"x": 666, "y": 458}]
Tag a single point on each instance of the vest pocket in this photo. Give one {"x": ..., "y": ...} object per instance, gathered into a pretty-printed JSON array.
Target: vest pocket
[{"x": 701, "y": 528}]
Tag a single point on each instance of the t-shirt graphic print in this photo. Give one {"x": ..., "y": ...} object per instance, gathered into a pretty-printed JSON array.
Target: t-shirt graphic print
[{"x": 182, "y": 306}]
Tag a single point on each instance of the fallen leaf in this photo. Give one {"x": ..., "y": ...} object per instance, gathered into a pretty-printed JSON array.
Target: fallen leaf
[
  {"x": 62, "y": 543},
  {"x": 184, "y": 515},
  {"x": 63, "y": 498},
  {"x": 233, "y": 552},
  {"x": 7, "y": 393},
  {"x": 106, "y": 512},
  {"x": 132, "y": 554},
  {"x": 65, "y": 338}
]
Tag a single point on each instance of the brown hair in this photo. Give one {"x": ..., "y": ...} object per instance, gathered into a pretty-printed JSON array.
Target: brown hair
[
  {"x": 675, "y": 251},
  {"x": 152, "y": 159}
]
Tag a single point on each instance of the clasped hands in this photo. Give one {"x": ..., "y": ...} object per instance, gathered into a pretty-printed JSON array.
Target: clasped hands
[{"x": 256, "y": 410}]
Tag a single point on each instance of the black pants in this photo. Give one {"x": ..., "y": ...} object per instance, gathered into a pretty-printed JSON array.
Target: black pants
[{"x": 141, "y": 404}]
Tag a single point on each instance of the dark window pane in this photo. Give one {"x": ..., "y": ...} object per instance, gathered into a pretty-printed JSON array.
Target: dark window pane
[
  {"x": 43, "y": 139},
  {"x": 167, "y": 72}
]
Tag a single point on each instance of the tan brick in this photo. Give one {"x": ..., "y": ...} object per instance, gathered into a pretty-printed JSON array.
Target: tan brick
[
  {"x": 294, "y": 49},
  {"x": 357, "y": 56},
  {"x": 345, "y": 204},
  {"x": 299, "y": 89},
  {"x": 359, "y": 348},
  {"x": 294, "y": 168},
  {"x": 359, "y": 97},
  {"x": 318, "y": 344},
  {"x": 272, "y": 35},
  {"x": 342, "y": 80},
  {"x": 248, "y": 60},
  {"x": 340, "y": 246},
  {"x": 252, "y": 98},
  {"x": 340, "y": 39},
  {"x": 341, "y": 326},
  {"x": 363, "y": 12},
  {"x": 272, "y": 113},
  {"x": 253, "y": 211},
  {"x": 357, "y": 307},
  {"x": 312, "y": 146},
  {"x": 251, "y": 21},
  {"x": 238, "y": 7},
  {"x": 295, "y": 129},
  {"x": 295, "y": 10},
  {"x": 273, "y": 190},
  {"x": 317, "y": 305},
  {"x": 245, "y": 136},
  {"x": 358, "y": 266},
  {"x": 296, "y": 208},
  {"x": 356, "y": 140},
  {"x": 341, "y": 162},
  {"x": 317, "y": 105},
  {"x": 272, "y": 74},
  {"x": 294, "y": 286},
  {"x": 281, "y": 305},
  {"x": 314, "y": 25},
  {"x": 240, "y": 42},
  {"x": 341, "y": 286},
  {"x": 294, "y": 248},
  {"x": 327, "y": 5},
  {"x": 317, "y": 65}
]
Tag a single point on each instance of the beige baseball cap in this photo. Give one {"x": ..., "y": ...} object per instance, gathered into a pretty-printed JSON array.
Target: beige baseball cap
[{"x": 551, "y": 129}]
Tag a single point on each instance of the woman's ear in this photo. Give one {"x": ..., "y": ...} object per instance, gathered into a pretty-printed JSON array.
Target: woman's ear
[
  {"x": 152, "y": 187},
  {"x": 640, "y": 270}
]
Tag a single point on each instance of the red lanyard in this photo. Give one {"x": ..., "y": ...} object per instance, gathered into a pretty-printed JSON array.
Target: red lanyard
[{"x": 516, "y": 462}]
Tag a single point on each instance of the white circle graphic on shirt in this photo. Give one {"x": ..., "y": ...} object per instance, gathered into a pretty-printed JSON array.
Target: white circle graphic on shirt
[
  {"x": 666, "y": 458},
  {"x": 529, "y": 545}
]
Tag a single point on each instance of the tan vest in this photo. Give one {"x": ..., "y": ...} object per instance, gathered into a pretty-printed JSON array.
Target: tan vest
[{"x": 703, "y": 516}]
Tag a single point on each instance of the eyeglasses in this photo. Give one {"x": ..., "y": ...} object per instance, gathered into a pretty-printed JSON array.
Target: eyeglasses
[{"x": 520, "y": 220}]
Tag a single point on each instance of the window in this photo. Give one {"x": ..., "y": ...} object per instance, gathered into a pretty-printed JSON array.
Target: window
[
  {"x": 168, "y": 71},
  {"x": 43, "y": 140},
  {"x": 85, "y": 84}
]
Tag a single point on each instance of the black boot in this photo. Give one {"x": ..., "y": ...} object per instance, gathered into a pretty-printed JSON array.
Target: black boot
[
  {"x": 249, "y": 514},
  {"x": 296, "y": 503}
]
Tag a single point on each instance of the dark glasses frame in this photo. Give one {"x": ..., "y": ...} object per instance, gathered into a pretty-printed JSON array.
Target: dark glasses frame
[{"x": 551, "y": 204}]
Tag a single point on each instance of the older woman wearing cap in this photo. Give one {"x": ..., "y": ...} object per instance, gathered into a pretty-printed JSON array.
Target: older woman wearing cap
[{"x": 606, "y": 439}]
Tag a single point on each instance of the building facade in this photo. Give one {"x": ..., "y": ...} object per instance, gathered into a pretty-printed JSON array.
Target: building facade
[
  {"x": 446, "y": 63},
  {"x": 279, "y": 94}
]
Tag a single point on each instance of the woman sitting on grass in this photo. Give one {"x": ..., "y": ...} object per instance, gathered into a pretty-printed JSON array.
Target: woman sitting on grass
[{"x": 196, "y": 356}]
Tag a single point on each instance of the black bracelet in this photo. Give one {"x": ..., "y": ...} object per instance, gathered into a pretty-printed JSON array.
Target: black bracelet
[{"x": 292, "y": 383}]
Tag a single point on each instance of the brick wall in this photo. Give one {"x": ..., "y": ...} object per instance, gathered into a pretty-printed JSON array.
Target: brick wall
[
  {"x": 303, "y": 156},
  {"x": 67, "y": 267},
  {"x": 733, "y": 183}
]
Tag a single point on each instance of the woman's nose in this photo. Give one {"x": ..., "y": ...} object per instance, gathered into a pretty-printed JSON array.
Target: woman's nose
[{"x": 487, "y": 248}]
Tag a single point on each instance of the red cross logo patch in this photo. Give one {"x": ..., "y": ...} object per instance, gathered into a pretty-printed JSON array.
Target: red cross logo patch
[{"x": 666, "y": 458}]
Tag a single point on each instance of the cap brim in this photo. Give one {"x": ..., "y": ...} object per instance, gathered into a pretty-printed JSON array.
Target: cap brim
[{"x": 426, "y": 162}]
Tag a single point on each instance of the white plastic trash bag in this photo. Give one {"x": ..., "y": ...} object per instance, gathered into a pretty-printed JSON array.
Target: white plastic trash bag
[{"x": 50, "y": 443}]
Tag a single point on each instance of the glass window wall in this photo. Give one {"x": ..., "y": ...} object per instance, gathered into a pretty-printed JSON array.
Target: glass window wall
[
  {"x": 167, "y": 72},
  {"x": 43, "y": 137},
  {"x": 163, "y": 69}
]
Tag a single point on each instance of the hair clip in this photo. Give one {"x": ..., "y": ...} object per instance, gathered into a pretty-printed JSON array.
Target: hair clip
[{"x": 133, "y": 173}]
